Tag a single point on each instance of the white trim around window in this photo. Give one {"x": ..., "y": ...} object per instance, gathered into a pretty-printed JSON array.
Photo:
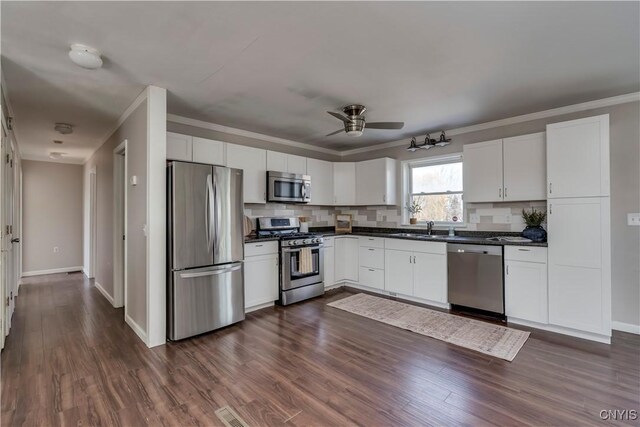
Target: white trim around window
[{"x": 407, "y": 166}]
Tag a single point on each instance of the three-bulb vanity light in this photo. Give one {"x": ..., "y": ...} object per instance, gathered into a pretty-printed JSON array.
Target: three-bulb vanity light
[{"x": 428, "y": 143}]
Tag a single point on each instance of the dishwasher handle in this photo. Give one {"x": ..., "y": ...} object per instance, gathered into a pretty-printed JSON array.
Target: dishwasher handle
[{"x": 457, "y": 248}]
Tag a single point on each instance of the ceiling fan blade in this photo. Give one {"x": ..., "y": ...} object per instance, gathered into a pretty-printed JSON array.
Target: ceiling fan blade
[
  {"x": 385, "y": 125},
  {"x": 334, "y": 133},
  {"x": 340, "y": 117}
]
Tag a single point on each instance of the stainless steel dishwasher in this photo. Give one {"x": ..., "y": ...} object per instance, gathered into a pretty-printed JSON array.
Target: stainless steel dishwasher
[{"x": 475, "y": 277}]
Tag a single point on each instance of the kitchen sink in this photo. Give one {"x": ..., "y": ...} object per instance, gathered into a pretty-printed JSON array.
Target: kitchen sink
[{"x": 414, "y": 235}]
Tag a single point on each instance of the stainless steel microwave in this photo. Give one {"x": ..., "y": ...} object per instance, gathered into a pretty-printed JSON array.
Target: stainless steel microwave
[{"x": 288, "y": 187}]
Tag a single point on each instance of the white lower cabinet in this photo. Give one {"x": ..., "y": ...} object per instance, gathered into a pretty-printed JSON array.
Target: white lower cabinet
[
  {"x": 525, "y": 286},
  {"x": 346, "y": 254},
  {"x": 329, "y": 266},
  {"x": 398, "y": 271},
  {"x": 430, "y": 277},
  {"x": 260, "y": 276}
]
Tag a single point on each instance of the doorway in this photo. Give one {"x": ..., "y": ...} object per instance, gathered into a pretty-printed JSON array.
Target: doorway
[{"x": 120, "y": 224}]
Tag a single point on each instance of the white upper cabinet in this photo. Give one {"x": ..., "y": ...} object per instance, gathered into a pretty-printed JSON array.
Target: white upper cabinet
[
  {"x": 208, "y": 151},
  {"x": 482, "y": 171},
  {"x": 253, "y": 162},
  {"x": 321, "y": 173},
  {"x": 344, "y": 184},
  {"x": 179, "y": 147},
  {"x": 281, "y": 162},
  {"x": 578, "y": 158},
  {"x": 525, "y": 167},
  {"x": 376, "y": 182}
]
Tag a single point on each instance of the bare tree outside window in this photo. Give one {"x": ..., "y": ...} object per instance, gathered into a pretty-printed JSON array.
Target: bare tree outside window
[{"x": 438, "y": 189}]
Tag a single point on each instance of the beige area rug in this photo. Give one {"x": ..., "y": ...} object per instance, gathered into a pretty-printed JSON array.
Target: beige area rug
[{"x": 487, "y": 338}]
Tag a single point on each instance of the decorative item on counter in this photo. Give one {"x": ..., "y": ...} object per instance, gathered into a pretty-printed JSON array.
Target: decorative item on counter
[
  {"x": 414, "y": 208},
  {"x": 248, "y": 226},
  {"x": 343, "y": 223},
  {"x": 304, "y": 224},
  {"x": 534, "y": 230}
]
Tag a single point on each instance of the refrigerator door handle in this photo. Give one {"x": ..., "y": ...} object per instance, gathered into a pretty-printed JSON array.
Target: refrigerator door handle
[
  {"x": 211, "y": 272},
  {"x": 210, "y": 200},
  {"x": 216, "y": 220}
]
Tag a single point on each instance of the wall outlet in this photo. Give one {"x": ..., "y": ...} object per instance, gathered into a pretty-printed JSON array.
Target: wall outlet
[
  {"x": 633, "y": 219},
  {"x": 56, "y": 249}
]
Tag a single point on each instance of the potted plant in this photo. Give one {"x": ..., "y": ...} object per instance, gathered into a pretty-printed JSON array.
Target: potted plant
[
  {"x": 414, "y": 208},
  {"x": 534, "y": 230}
]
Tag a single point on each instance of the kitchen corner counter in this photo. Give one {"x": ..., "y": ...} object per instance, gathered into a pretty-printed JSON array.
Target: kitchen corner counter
[{"x": 465, "y": 237}]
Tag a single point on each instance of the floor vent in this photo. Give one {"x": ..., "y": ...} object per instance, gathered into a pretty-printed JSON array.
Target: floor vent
[{"x": 229, "y": 417}]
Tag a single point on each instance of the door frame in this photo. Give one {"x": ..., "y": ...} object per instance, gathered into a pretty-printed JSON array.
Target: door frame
[
  {"x": 93, "y": 219},
  {"x": 120, "y": 225}
]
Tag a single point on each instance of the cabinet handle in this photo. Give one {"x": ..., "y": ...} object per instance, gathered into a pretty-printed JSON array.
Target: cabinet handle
[
  {"x": 550, "y": 190},
  {"x": 372, "y": 249},
  {"x": 505, "y": 192},
  {"x": 371, "y": 269},
  {"x": 500, "y": 193},
  {"x": 414, "y": 259},
  {"x": 524, "y": 250},
  {"x": 258, "y": 246},
  {"x": 384, "y": 198},
  {"x": 507, "y": 270},
  {"x": 550, "y": 209},
  {"x": 409, "y": 259}
]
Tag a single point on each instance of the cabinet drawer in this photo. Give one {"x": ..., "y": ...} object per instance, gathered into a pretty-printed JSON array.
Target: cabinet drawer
[
  {"x": 261, "y": 248},
  {"x": 371, "y": 257},
  {"x": 371, "y": 242},
  {"x": 328, "y": 241},
  {"x": 416, "y": 246},
  {"x": 526, "y": 254},
  {"x": 372, "y": 277}
]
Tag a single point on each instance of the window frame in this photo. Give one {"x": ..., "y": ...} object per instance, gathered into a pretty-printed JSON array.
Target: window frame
[{"x": 407, "y": 187}]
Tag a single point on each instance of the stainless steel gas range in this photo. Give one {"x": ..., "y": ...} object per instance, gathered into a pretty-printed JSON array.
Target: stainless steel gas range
[{"x": 301, "y": 259}]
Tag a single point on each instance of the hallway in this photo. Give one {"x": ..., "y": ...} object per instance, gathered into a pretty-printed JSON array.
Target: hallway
[{"x": 70, "y": 359}]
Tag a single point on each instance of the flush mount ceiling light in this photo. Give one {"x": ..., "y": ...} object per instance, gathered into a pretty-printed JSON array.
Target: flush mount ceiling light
[
  {"x": 85, "y": 56},
  {"x": 429, "y": 143},
  {"x": 63, "y": 128},
  {"x": 55, "y": 155}
]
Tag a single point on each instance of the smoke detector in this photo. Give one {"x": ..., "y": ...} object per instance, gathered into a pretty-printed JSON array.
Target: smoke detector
[
  {"x": 85, "y": 56},
  {"x": 63, "y": 128}
]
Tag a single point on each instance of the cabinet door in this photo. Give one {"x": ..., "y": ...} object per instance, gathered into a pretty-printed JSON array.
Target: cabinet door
[
  {"x": 276, "y": 161},
  {"x": 578, "y": 158},
  {"x": 321, "y": 173},
  {"x": 398, "y": 272},
  {"x": 344, "y": 184},
  {"x": 482, "y": 171},
  {"x": 329, "y": 266},
  {"x": 525, "y": 167},
  {"x": 579, "y": 264},
  {"x": 253, "y": 162},
  {"x": 208, "y": 151},
  {"x": 430, "y": 277},
  {"x": 179, "y": 147},
  {"x": 371, "y": 182},
  {"x": 296, "y": 164},
  {"x": 260, "y": 280},
  {"x": 525, "y": 291},
  {"x": 346, "y": 259}
]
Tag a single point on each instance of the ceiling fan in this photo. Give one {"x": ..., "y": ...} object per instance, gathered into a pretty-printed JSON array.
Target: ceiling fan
[{"x": 354, "y": 121}]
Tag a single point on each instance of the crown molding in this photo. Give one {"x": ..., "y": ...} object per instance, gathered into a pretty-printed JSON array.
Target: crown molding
[
  {"x": 248, "y": 134},
  {"x": 590, "y": 105}
]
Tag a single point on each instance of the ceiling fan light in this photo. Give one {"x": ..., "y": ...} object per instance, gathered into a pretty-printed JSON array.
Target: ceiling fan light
[{"x": 354, "y": 133}]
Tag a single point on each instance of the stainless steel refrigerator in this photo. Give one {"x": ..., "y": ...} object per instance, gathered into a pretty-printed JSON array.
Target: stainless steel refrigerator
[{"x": 205, "y": 248}]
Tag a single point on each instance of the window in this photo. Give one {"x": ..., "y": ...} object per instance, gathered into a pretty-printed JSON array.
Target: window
[{"x": 436, "y": 185}]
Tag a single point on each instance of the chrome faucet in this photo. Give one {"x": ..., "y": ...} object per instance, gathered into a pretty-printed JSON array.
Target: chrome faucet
[{"x": 430, "y": 225}]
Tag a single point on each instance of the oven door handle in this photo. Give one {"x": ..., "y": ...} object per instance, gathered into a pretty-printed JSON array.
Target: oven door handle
[{"x": 286, "y": 251}]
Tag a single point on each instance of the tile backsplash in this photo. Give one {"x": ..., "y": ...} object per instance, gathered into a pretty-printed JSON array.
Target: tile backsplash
[{"x": 504, "y": 216}]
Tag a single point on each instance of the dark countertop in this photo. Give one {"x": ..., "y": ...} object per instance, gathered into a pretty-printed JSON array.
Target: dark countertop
[{"x": 463, "y": 237}]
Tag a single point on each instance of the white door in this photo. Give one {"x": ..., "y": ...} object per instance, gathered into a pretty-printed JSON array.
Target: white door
[
  {"x": 208, "y": 151},
  {"x": 430, "y": 277},
  {"x": 525, "y": 167},
  {"x": 296, "y": 164},
  {"x": 344, "y": 184},
  {"x": 321, "y": 173},
  {"x": 525, "y": 291},
  {"x": 179, "y": 147},
  {"x": 579, "y": 289},
  {"x": 578, "y": 158},
  {"x": 276, "y": 161},
  {"x": 482, "y": 171},
  {"x": 253, "y": 162},
  {"x": 329, "y": 266},
  {"x": 398, "y": 271},
  {"x": 260, "y": 280},
  {"x": 8, "y": 202}
]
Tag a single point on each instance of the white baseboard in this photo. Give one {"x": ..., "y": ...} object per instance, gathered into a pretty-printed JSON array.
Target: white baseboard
[
  {"x": 51, "y": 271},
  {"x": 259, "y": 307},
  {"x": 104, "y": 292},
  {"x": 625, "y": 327},
  {"x": 561, "y": 330},
  {"x": 136, "y": 328}
]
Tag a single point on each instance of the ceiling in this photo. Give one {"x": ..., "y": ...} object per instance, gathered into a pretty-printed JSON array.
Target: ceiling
[{"x": 276, "y": 67}]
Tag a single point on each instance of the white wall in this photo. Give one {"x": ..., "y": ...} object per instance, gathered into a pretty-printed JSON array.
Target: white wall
[{"x": 52, "y": 216}]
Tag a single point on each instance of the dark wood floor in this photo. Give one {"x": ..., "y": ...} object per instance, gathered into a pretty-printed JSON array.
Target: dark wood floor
[{"x": 71, "y": 360}]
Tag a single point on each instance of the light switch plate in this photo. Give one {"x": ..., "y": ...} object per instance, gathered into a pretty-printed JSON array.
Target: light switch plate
[{"x": 633, "y": 219}]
